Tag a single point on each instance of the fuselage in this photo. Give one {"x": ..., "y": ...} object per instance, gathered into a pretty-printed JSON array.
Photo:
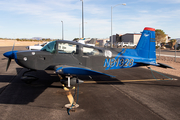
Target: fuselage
[{"x": 76, "y": 54}]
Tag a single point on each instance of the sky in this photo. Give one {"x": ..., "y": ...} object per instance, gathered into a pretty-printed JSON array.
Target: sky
[{"x": 42, "y": 18}]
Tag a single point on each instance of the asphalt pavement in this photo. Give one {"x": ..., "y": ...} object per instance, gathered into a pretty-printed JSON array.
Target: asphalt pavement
[{"x": 45, "y": 98}]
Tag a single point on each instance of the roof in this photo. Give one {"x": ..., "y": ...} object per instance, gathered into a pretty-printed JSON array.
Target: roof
[{"x": 132, "y": 34}]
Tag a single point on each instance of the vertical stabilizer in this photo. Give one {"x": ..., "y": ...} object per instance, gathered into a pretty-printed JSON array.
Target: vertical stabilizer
[{"x": 146, "y": 45}]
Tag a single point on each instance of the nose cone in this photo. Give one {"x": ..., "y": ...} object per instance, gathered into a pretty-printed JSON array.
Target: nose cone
[{"x": 10, "y": 54}]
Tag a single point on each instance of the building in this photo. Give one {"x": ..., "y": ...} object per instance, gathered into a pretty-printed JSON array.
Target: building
[
  {"x": 101, "y": 42},
  {"x": 131, "y": 38},
  {"x": 167, "y": 38}
]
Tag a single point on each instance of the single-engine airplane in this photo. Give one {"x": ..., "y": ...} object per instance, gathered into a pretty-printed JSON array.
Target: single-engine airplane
[{"x": 71, "y": 59}]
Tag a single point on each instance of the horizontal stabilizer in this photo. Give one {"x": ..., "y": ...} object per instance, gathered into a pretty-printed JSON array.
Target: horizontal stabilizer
[
  {"x": 147, "y": 63},
  {"x": 165, "y": 66},
  {"x": 68, "y": 70},
  {"x": 155, "y": 64}
]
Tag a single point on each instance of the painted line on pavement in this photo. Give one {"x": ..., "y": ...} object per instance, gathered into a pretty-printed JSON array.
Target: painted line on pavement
[{"x": 142, "y": 80}]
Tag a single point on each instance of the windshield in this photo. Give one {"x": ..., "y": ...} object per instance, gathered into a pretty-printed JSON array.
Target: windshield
[{"x": 50, "y": 47}]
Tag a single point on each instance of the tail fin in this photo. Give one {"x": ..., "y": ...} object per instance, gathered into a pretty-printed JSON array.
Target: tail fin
[
  {"x": 92, "y": 41},
  {"x": 146, "y": 45}
]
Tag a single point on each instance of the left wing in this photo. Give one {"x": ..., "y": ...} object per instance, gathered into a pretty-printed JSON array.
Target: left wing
[{"x": 70, "y": 70}]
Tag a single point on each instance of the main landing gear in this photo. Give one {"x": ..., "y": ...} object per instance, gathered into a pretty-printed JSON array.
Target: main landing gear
[{"x": 71, "y": 83}]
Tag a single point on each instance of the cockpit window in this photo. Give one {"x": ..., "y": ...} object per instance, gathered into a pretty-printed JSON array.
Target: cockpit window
[
  {"x": 50, "y": 47},
  {"x": 67, "y": 48}
]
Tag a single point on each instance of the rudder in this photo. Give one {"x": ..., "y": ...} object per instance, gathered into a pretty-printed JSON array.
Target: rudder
[{"x": 146, "y": 45}]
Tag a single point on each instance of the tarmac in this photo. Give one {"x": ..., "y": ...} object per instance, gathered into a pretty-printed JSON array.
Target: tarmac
[{"x": 44, "y": 99}]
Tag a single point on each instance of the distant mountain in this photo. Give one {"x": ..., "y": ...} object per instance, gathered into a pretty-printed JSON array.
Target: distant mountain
[{"x": 37, "y": 38}]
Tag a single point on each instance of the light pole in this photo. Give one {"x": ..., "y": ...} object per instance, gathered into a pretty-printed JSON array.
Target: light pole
[
  {"x": 82, "y": 21},
  {"x": 111, "y": 21},
  {"x": 80, "y": 30},
  {"x": 62, "y": 31}
]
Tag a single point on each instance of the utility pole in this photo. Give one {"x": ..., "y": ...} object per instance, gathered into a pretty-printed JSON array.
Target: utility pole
[
  {"x": 62, "y": 31},
  {"x": 111, "y": 22},
  {"x": 82, "y": 20}
]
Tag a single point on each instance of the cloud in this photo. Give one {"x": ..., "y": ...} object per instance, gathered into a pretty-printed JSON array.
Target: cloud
[
  {"x": 156, "y": 18},
  {"x": 161, "y": 1},
  {"x": 131, "y": 18},
  {"x": 144, "y": 11}
]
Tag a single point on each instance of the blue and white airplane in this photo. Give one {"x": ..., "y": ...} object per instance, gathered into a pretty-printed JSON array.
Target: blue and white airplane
[{"x": 71, "y": 59}]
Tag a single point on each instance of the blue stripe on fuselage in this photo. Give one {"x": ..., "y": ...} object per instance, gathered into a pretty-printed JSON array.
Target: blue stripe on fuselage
[
  {"x": 108, "y": 61},
  {"x": 124, "y": 59}
]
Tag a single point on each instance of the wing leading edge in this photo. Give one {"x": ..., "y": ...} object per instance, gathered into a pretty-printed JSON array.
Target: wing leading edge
[{"x": 69, "y": 70}]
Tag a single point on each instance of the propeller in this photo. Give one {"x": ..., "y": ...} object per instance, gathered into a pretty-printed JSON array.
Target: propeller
[
  {"x": 10, "y": 55},
  {"x": 13, "y": 46},
  {"x": 8, "y": 63}
]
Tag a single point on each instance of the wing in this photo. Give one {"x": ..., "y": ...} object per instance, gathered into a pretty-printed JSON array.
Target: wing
[{"x": 70, "y": 70}]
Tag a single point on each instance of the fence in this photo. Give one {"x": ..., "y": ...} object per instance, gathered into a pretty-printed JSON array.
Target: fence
[{"x": 168, "y": 55}]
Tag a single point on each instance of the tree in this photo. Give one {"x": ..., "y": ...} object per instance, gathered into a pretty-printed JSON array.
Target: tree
[
  {"x": 160, "y": 36},
  {"x": 75, "y": 39},
  {"x": 172, "y": 43}
]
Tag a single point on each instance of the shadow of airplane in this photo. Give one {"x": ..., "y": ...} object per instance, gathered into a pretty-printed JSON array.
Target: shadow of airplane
[{"x": 16, "y": 91}]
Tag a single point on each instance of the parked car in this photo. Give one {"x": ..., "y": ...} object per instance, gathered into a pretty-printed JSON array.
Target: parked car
[
  {"x": 37, "y": 46},
  {"x": 178, "y": 47}
]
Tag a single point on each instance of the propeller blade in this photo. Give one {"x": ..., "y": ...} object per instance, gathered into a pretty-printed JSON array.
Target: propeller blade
[
  {"x": 8, "y": 63},
  {"x": 13, "y": 46},
  {"x": 10, "y": 55}
]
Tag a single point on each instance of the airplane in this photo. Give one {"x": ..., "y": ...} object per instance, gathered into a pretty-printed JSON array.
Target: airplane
[
  {"x": 37, "y": 46},
  {"x": 71, "y": 59},
  {"x": 91, "y": 42}
]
